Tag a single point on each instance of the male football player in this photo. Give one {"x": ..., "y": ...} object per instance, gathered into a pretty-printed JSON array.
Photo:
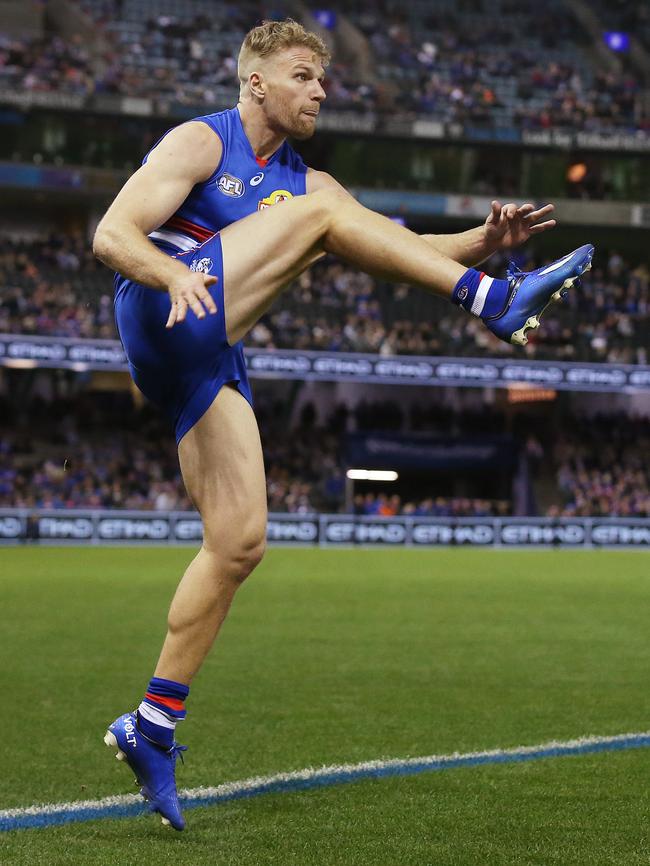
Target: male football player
[{"x": 219, "y": 219}]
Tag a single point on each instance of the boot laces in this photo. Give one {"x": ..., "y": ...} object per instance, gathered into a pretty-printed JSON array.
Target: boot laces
[
  {"x": 514, "y": 271},
  {"x": 176, "y": 751}
]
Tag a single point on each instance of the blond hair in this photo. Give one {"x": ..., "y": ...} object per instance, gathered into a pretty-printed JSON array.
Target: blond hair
[{"x": 271, "y": 36}]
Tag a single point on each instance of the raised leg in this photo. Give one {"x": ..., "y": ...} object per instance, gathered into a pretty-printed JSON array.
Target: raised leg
[
  {"x": 265, "y": 251},
  {"x": 223, "y": 470}
]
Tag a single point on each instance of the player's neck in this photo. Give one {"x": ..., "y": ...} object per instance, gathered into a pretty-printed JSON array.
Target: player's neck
[{"x": 263, "y": 141}]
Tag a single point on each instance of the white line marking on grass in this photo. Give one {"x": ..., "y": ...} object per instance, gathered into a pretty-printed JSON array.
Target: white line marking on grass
[{"x": 129, "y": 805}]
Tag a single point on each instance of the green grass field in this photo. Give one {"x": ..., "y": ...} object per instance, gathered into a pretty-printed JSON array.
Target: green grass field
[{"x": 336, "y": 657}]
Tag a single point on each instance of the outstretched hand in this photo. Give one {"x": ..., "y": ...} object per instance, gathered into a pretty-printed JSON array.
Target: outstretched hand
[
  {"x": 509, "y": 226},
  {"x": 191, "y": 292}
]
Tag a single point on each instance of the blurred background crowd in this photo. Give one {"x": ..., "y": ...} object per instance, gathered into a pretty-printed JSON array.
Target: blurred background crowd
[
  {"x": 452, "y": 62},
  {"x": 100, "y": 451},
  {"x": 54, "y": 286}
]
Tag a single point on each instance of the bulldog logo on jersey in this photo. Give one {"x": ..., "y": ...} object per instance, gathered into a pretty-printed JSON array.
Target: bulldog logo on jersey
[
  {"x": 202, "y": 266},
  {"x": 230, "y": 185},
  {"x": 276, "y": 196}
]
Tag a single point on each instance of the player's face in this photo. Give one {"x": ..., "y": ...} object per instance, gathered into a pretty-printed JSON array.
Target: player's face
[{"x": 294, "y": 92}]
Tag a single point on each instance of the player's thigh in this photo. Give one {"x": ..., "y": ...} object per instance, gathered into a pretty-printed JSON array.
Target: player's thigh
[
  {"x": 223, "y": 470},
  {"x": 265, "y": 251}
]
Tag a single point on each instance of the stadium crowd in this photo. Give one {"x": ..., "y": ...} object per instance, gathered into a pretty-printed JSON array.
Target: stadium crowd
[
  {"x": 166, "y": 57},
  {"x": 47, "y": 64},
  {"x": 454, "y": 64},
  {"x": 99, "y": 451},
  {"x": 55, "y": 287},
  {"x": 381, "y": 505},
  {"x": 603, "y": 468},
  {"x": 461, "y": 64}
]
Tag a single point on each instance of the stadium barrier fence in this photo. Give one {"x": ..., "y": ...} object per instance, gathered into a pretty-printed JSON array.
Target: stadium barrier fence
[
  {"x": 29, "y": 352},
  {"x": 79, "y": 526}
]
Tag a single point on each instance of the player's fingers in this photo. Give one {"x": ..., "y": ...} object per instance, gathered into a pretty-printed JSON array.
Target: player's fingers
[
  {"x": 495, "y": 212},
  {"x": 542, "y": 227},
  {"x": 510, "y": 210},
  {"x": 207, "y": 300},
  {"x": 196, "y": 307},
  {"x": 210, "y": 281},
  {"x": 171, "y": 319},
  {"x": 181, "y": 309},
  {"x": 542, "y": 212},
  {"x": 526, "y": 209},
  {"x": 503, "y": 216}
]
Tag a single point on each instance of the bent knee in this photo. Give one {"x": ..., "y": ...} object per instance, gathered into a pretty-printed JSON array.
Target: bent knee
[
  {"x": 241, "y": 552},
  {"x": 326, "y": 202},
  {"x": 248, "y": 556}
]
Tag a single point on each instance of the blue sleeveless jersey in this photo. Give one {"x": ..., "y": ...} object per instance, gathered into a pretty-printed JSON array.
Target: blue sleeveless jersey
[
  {"x": 240, "y": 185},
  {"x": 182, "y": 369}
]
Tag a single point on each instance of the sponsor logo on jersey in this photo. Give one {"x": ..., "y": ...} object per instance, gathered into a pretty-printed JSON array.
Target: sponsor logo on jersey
[
  {"x": 255, "y": 181},
  {"x": 202, "y": 266},
  {"x": 230, "y": 185},
  {"x": 276, "y": 196}
]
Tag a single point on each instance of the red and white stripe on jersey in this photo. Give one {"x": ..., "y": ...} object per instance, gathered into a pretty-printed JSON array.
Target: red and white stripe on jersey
[{"x": 182, "y": 233}]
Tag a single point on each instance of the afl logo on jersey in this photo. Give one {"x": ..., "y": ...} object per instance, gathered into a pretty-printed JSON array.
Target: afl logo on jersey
[
  {"x": 230, "y": 185},
  {"x": 276, "y": 197},
  {"x": 255, "y": 181}
]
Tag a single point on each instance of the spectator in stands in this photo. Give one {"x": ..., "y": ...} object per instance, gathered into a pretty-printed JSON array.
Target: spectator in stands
[
  {"x": 54, "y": 287},
  {"x": 55, "y": 455},
  {"x": 435, "y": 65},
  {"x": 603, "y": 467}
]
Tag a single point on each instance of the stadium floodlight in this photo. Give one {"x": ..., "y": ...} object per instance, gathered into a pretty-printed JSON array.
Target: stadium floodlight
[
  {"x": 327, "y": 18},
  {"x": 372, "y": 475},
  {"x": 616, "y": 40}
]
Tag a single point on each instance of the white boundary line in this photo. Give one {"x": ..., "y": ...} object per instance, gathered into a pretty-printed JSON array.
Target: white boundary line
[{"x": 115, "y": 806}]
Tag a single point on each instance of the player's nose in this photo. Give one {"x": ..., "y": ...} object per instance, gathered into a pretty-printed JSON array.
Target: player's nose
[{"x": 318, "y": 93}]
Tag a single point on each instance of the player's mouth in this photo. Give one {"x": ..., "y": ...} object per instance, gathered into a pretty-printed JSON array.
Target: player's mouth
[{"x": 311, "y": 113}]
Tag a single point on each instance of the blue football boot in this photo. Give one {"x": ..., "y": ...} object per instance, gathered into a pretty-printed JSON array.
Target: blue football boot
[
  {"x": 154, "y": 767},
  {"x": 531, "y": 292}
]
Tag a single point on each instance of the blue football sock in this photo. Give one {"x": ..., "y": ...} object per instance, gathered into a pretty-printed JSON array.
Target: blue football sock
[
  {"x": 162, "y": 707},
  {"x": 481, "y": 295}
]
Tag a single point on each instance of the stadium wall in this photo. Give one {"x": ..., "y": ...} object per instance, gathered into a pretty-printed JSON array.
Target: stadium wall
[
  {"x": 40, "y": 526},
  {"x": 30, "y": 352}
]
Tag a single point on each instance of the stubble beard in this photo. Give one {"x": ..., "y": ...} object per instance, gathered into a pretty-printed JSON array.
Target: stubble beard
[
  {"x": 304, "y": 132},
  {"x": 298, "y": 127}
]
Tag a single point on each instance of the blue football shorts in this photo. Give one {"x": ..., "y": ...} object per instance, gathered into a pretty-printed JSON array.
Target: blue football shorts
[{"x": 180, "y": 369}]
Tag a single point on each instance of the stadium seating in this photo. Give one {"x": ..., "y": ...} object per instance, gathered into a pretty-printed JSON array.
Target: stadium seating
[
  {"x": 600, "y": 462},
  {"x": 502, "y": 68},
  {"x": 498, "y": 65},
  {"x": 602, "y": 468},
  {"x": 45, "y": 64},
  {"x": 55, "y": 287},
  {"x": 78, "y": 465}
]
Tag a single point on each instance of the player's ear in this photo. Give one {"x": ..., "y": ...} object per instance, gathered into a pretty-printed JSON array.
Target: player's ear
[{"x": 257, "y": 85}]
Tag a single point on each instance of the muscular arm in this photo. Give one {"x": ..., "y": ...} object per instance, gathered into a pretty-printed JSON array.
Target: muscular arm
[
  {"x": 505, "y": 227},
  {"x": 186, "y": 156}
]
